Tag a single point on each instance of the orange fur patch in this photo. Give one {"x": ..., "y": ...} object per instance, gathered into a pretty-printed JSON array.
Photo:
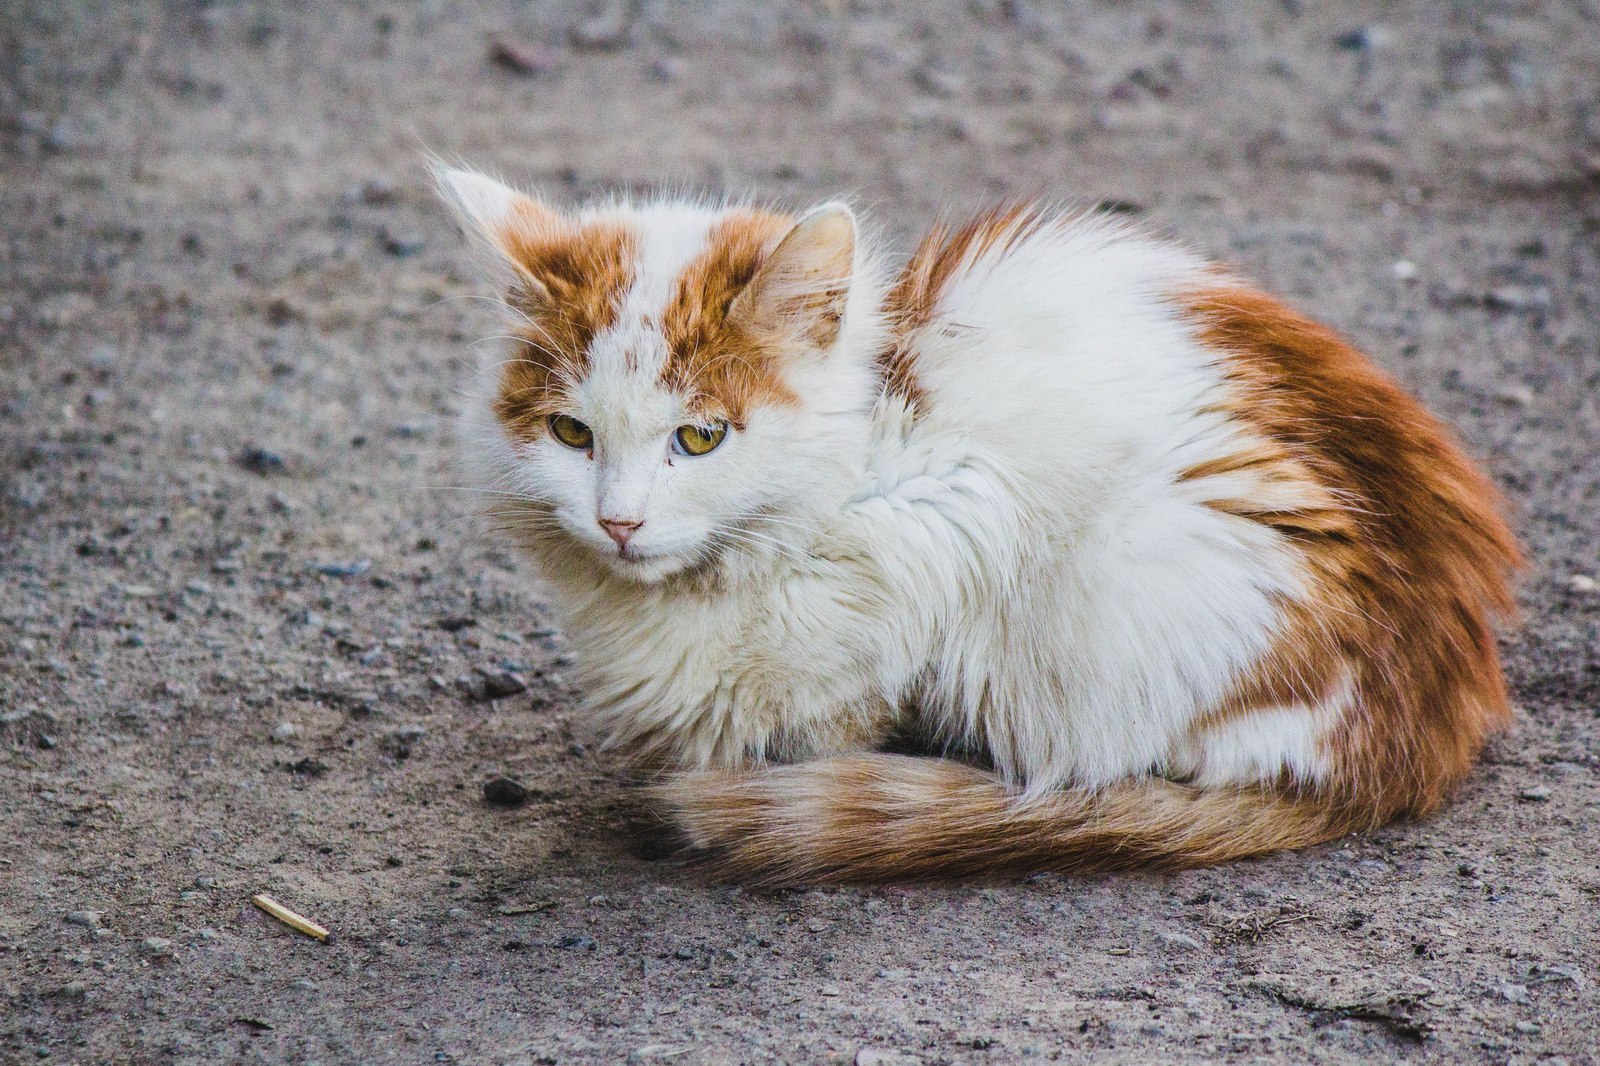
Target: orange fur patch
[
  {"x": 721, "y": 365},
  {"x": 571, "y": 282},
  {"x": 1409, "y": 558}
]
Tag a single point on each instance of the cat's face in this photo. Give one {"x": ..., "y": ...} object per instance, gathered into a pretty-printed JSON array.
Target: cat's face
[{"x": 679, "y": 387}]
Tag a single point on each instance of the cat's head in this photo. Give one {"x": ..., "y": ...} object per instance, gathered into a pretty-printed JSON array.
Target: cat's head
[{"x": 684, "y": 383}]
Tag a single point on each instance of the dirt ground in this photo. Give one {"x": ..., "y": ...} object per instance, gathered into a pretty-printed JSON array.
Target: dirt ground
[{"x": 248, "y": 625}]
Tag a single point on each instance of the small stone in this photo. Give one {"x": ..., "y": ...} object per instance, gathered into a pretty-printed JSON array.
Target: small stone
[
  {"x": 102, "y": 357},
  {"x": 455, "y": 913},
  {"x": 936, "y": 81},
  {"x": 1535, "y": 793},
  {"x": 205, "y": 881},
  {"x": 1178, "y": 940},
  {"x": 60, "y": 138},
  {"x": 284, "y": 731},
  {"x": 1518, "y": 298},
  {"x": 261, "y": 461},
  {"x": 208, "y": 934},
  {"x": 504, "y": 792},
  {"x": 577, "y": 943},
  {"x": 1515, "y": 396},
  {"x": 87, "y": 919},
  {"x": 528, "y": 60},
  {"x": 1582, "y": 583},
  {"x": 280, "y": 312},
  {"x": 878, "y": 1057},
  {"x": 1362, "y": 39},
  {"x": 1528, "y": 1028},
  {"x": 666, "y": 69},
  {"x": 606, "y": 32},
  {"x": 829, "y": 990},
  {"x": 1512, "y": 992},
  {"x": 376, "y": 192},
  {"x": 354, "y": 568},
  {"x": 403, "y": 243},
  {"x": 399, "y": 742},
  {"x": 305, "y": 984},
  {"x": 497, "y": 684},
  {"x": 157, "y": 945},
  {"x": 138, "y": 592},
  {"x": 1403, "y": 270}
]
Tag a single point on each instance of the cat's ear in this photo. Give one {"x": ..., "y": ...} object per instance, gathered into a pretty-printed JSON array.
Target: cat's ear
[
  {"x": 803, "y": 286},
  {"x": 496, "y": 214}
]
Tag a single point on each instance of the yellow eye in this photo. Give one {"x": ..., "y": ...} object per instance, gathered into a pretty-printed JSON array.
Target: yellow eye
[
  {"x": 698, "y": 440},
  {"x": 571, "y": 432}
]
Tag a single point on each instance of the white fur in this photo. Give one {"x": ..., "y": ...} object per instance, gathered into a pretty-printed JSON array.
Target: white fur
[{"x": 1020, "y": 561}]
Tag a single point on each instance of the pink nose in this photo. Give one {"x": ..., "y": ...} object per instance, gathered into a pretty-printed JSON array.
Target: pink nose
[{"x": 620, "y": 531}]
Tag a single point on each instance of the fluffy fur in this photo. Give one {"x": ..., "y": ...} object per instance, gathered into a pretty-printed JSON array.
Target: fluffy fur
[{"x": 1169, "y": 573}]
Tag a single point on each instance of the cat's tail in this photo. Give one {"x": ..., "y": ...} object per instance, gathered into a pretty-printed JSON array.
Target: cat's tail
[{"x": 866, "y": 818}]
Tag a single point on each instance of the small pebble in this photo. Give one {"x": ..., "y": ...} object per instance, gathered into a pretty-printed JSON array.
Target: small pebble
[
  {"x": 1179, "y": 940},
  {"x": 354, "y": 568},
  {"x": 1528, "y": 1028},
  {"x": 157, "y": 945},
  {"x": 1582, "y": 583},
  {"x": 1512, "y": 992},
  {"x": 284, "y": 731},
  {"x": 403, "y": 243},
  {"x": 205, "y": 881},
  {"x": 1515, "y": 396},
  {"x": 518, "y": 57},
  {"x": 496, "y": 685},
  {"x": 606, "y": 32},
  {"x": 375, "y": 192},
  {"x": 1535, "y": 793},
  {"x": 1403, "y": 270},
  {"x": 261, "y": 461},
  {"x": 87, "y": 919},
  {"x": 504, "y": 792}
]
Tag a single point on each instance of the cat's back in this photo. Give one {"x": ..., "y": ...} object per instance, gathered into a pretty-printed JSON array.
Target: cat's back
[{"x": 1059, "y": 343}]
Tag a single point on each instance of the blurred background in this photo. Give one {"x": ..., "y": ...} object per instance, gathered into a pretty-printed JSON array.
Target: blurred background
[{"x": 252, "y": 636}]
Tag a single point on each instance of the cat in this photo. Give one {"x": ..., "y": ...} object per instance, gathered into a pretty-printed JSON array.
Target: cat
[{"x": 1161, "y": 572}]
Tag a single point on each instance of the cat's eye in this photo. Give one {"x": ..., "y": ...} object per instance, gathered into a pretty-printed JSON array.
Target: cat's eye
[
  {"x": 571, "y": 432},
  {"x": 698, "y": 440}
]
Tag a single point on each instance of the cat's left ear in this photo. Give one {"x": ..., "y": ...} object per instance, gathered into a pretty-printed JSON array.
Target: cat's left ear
[
  {"x": 491, "y": 210},
  {"x": 804, "y": 285}
]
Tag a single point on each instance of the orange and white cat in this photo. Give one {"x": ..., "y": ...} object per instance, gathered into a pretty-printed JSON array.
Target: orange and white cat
[{"x": 1169, "y": 573}]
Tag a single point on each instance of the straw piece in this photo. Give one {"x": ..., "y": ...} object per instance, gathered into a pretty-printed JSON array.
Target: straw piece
[{"x": 289, "y": 917}]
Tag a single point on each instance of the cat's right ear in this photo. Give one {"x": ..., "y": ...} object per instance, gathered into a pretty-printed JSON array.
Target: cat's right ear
[{"x": 497, "y": 215}]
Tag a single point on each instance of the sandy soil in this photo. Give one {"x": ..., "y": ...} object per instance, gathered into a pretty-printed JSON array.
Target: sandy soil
[{"x": 246, "y": 623}]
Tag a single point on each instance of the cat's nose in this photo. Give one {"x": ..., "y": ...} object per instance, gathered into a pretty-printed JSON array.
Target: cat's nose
[{"x": 620, "y": 531}]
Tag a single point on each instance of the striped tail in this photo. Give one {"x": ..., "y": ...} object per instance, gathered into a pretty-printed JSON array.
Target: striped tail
[{"x": 874, "y": 818}]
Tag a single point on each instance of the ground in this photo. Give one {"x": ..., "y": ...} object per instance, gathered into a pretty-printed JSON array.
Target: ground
[{"x": 249, "y": 629}]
